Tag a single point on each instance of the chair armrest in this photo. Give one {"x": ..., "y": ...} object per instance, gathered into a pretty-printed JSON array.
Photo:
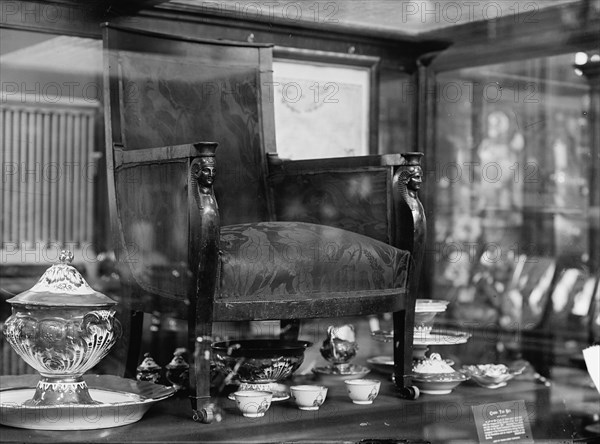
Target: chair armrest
[{"x": 335, "y": 162}]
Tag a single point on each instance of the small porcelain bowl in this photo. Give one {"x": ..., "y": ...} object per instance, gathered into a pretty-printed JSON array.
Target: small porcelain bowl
[
  {"x": 253, "y": 404},
  {"x": 491, "y": 376},
  {"x": 308, "y": 397},
  {"x": 438, "y": 384},
  {"x": 362, "y": 391}
]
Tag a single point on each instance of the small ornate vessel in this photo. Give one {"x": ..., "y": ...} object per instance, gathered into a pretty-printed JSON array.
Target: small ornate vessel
[
  {"x": 62, "y": 328},
  {"x": 148, "y": 370},
  {"x": 340, "y": 346},
  {"x": 178, "y": 370}
]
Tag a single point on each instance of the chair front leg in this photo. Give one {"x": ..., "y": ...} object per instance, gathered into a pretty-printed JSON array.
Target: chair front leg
[
  {"x": 204, "y": 410},
  {"x": 204, "y": 266}
]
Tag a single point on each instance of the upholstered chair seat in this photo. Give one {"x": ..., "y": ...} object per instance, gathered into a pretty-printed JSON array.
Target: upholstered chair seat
[{"x": 287, "y": 261}]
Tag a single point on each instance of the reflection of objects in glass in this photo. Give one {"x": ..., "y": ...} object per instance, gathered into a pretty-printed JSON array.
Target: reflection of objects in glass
[
  {"x": 563, "y": 288},
  {"x": 569, "y": 182},
  {"x": 595, "y": 316},
  {"x": 143, "y": 253},
  {"x": 526, "y": 298},
  {"x": 499, "y": 155}
]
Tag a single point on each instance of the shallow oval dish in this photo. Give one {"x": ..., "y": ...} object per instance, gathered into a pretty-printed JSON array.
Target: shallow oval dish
[{"x": 490, "y": 376}]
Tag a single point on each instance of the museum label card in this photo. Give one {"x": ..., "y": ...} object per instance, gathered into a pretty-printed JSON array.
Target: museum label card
[{"x": 501, "y": 422}]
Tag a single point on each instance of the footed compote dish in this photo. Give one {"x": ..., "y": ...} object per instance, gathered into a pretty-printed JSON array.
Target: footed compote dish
[
  {"x": 62, "y": 328},
  {"x": 425, "y": 312},
  {"x": 424, "y": 333}
]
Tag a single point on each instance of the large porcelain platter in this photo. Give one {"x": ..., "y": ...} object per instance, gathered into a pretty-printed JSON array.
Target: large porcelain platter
[{"x": 119, "y": 402}]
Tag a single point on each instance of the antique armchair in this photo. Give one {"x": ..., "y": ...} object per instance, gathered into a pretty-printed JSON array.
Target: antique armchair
[{"x": 287, "y": 241}]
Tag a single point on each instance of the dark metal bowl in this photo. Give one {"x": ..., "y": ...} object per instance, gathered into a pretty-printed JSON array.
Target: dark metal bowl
[{"x": 259, "y": 360}]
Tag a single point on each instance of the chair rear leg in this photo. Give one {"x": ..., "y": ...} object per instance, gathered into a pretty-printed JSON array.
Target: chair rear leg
[{"x": 134, "y": 332}]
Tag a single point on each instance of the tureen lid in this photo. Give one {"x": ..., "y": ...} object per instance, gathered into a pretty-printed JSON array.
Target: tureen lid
[{"x": 62, "y": 285}]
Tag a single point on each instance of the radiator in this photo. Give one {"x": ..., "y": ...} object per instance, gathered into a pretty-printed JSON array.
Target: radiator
[{"x": 48, "y": 172}]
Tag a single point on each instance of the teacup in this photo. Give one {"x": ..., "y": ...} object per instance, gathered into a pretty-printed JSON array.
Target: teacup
[
  {"x": 253, "y": 403},
  {"x": 308, "y": 397},
  {"x": 362, "y": 391}
]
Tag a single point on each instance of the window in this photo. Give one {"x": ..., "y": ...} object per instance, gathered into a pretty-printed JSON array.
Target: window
[
  {"x": 324, "y": 104},
  {"x": 50, "y": 134}
]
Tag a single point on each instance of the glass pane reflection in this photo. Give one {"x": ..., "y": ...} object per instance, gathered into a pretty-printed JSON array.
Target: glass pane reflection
[{"x": 512, "y": 196}]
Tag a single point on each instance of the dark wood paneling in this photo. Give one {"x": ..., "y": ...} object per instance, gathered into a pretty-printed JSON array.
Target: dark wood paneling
[
  {"x": 68, "y": 16},
  {"x": 397, "y": 52}
]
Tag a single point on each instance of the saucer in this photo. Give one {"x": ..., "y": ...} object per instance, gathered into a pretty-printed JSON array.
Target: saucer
[
  {"x": 351, "y": 372},
  {"x": 280, "y": 391},
  {"x": 382, "y": 364},
  {"x": 120, "y": 402}
]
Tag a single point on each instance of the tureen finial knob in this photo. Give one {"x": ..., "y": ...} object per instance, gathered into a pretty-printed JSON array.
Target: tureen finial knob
[{"x": 66, "y": 257}]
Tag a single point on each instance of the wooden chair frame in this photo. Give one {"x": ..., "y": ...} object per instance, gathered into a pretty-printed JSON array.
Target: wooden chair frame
[{"x": 403, "y": 228}]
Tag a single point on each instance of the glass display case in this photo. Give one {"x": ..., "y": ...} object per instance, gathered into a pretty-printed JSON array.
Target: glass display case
[{"x": 513, "y": 219}]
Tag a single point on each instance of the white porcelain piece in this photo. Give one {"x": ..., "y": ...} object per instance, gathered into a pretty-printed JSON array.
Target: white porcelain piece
[
  {"x": 308, "y": 397},
  {"x": 253, "y": 403},
  {"x": 280, "y": 391},
  {"x": 362, "y": 391}
]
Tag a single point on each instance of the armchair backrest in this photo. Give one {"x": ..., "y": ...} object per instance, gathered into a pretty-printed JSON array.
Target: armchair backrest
[{"x": 169, "y": 90}]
